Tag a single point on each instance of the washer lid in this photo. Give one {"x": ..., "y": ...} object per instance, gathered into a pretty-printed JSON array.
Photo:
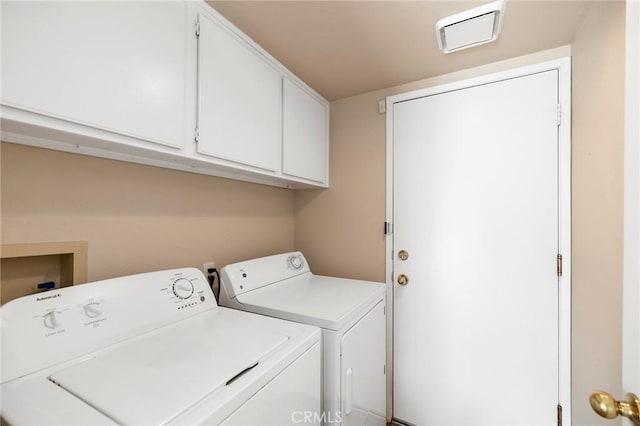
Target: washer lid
[
  {"x": 156, "y": 377},
  {"x": 325, "y": 302}
]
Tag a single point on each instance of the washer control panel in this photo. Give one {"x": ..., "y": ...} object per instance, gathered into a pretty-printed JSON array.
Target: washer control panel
[
  {"x": 54, "y": 326},
  {"x": 185, "y": 291}
]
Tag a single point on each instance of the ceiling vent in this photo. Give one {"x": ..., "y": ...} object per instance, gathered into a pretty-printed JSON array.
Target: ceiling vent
[{"x": 473, "y": 27}]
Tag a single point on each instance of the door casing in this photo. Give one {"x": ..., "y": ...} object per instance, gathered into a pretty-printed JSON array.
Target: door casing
[
  {"x": 563, "y": 66},
  {"x": 631, "y": 295}
]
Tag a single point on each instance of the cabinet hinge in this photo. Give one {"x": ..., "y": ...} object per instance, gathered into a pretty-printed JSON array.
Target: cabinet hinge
[
  {"x": 197, "y": 28},
  {"x": 196, "y": 135},
  {"x": 559, "y": 114},
  {"x": 388, "y": 228},
  {"x": 559, "y": 265},
  {"x": 559, "y": 412}
]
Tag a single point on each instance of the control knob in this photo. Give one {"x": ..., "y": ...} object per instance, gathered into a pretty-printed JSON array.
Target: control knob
[
  {"x": 182, "y": 288},
  {"x": 51, "y": 320},
  {"x": 93, "y": 309},
  {"x": 295, "y": 262}
]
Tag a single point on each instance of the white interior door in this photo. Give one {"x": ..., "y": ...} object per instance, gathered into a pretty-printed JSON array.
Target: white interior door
[{"x": 476, "y": 206}]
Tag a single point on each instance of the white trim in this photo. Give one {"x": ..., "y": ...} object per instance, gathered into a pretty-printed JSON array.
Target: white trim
[
  {"x": 563, "y": 66},
  {"x": 389, "y": 258},
  {"x": 631, "y": 270},
  {"x": 564, "y": 243}
]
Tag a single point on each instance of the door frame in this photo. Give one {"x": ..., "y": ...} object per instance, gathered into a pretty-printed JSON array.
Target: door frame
[
  {"x": 631, "y": 262},
  {"x": 563, "y": 66}
]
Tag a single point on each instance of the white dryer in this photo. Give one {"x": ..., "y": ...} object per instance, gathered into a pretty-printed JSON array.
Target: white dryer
[
  {"x": 351, "y": 314},
  {"x": 153, "y": 349}
]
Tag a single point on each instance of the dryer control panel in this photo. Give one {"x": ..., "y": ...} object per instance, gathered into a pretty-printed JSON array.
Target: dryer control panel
[
  {"x": 252, "y": 274},
  {"x": 43, "y": 329}
]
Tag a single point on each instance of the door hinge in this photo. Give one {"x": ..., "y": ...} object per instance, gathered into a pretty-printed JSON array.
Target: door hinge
[
  {"x": 388, "y": 228},
  {"x": 559, "y": 265},
  {"x": 197, "y": 28},
  {"x": 196, "y": 135},
  {"x": 559, "y": 114},
  {"x": 559, "y": 412}
]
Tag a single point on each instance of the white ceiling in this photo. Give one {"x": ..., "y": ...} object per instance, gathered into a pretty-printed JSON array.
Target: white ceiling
[{"x": 344, "y": 48}]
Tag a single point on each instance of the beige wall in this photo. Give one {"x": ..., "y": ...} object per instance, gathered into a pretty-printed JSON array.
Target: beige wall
[
  {"x": 598, "y": 137},
  {"x": 340, "y": 229},
  {"x": 138, "y": 218}
]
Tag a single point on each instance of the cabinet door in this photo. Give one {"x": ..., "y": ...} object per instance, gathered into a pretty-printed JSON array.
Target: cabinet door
[
  {"x": 363, "y": 371},
  {"x": 117, "y": 66},
  {"x": 239, "y": 100},
  {"x": 304, "y": 134}
]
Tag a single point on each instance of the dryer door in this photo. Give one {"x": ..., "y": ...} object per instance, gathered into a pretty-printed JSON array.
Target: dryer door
[{"x": 363, "y": 370}]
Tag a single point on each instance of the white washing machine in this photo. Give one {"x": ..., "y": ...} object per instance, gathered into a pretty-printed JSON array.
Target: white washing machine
[
  {"x": 153, "y": 349},
  {"x": 351, "y": 314}
]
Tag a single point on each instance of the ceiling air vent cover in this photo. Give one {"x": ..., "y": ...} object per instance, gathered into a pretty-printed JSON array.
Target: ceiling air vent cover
[{"x": 473, "y": 27}]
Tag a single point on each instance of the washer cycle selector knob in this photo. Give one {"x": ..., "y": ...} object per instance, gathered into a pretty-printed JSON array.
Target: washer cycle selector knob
[
  {"x": 182, "y": 288},
  {"x": 93, "y": 309},
  {"x": 51, "y": 320},
  {"x": 295, "y": 262}
]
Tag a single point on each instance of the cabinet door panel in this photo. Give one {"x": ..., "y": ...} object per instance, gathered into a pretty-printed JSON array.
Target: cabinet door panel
[
  {"x": 239, "y": 100},
  {"x": 304, "y": 134},
  {"x": 362, "y": 368},
  {"x": 118, "y": 66}
]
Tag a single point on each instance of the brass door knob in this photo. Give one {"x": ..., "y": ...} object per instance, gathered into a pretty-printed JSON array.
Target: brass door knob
[
  {"x": 403, "y": 279},
  {"x": 606, "y": 406}
]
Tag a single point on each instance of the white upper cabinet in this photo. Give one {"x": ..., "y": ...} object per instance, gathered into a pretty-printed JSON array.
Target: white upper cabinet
[
  {"x": 115, "y": 66},
  {"x": 166, "y": 83},
  {"x": 239, "y": 100},
  {"x": 305, "y": 136}
]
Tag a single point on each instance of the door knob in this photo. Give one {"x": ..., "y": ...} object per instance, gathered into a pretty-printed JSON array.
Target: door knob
[
  {"x": 606, "y": 406},
  {"x": 403, "y": 279}
]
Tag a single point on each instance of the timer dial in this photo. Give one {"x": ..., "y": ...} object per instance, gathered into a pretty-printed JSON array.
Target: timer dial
[
  {"x": 51, "y": 320},
  {"x": 93, "y": 309},
  {"x": 183, "y": 288},
  {"x": 295, "y": 262}
]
